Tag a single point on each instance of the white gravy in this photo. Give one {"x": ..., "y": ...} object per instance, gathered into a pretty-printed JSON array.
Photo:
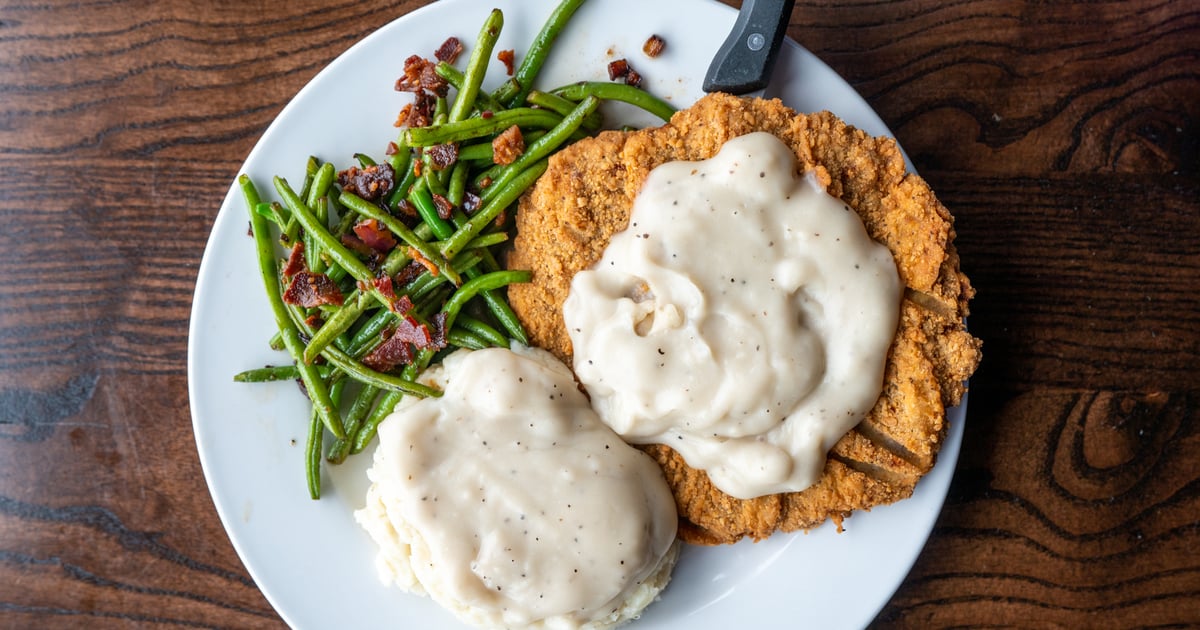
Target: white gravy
[
  {"x": 532, "y": 511},
  {"x": 743, "y": 318}
]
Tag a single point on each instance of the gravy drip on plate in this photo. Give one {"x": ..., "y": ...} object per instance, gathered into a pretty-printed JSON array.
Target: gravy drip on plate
[
  {"x": 743, "y": 318},
  {"x": 519, "y": 506}
]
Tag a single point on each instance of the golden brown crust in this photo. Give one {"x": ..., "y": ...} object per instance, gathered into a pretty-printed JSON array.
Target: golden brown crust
[{"x": 585, "y": 197}]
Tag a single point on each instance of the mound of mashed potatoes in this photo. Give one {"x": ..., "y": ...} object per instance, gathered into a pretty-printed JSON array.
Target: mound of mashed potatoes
[{"x": 512, "y": 505}]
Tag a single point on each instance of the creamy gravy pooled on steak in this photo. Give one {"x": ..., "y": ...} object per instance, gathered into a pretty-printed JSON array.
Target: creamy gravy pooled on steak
[{"x": 743, "y": 318}]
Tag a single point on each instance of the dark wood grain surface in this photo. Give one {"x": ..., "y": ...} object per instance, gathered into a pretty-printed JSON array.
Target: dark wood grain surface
[{"x": 1064, "y": 136}]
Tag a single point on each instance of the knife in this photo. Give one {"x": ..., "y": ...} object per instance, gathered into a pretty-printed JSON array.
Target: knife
[{"x": 744, "y": 62}]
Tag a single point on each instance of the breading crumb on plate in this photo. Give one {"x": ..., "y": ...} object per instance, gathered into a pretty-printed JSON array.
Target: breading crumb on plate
[{"x": 567, "y": 219}]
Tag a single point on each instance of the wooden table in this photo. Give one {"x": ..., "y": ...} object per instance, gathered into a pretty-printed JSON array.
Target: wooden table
[{"x": 1065, "y": 137}]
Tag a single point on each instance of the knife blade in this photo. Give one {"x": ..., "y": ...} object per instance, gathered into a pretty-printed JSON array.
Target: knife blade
[{"x": 744, "y": 61}]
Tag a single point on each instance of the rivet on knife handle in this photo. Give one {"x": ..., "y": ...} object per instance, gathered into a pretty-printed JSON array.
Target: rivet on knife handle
[{"x": 744, "y": 62}]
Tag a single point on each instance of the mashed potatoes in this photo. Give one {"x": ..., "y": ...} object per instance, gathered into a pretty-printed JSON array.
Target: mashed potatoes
[{"x": 509, "y": 503}]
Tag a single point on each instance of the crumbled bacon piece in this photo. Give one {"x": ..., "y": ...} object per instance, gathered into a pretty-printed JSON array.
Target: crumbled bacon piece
[
  {"x": 392, "y": 149},
  {"x": 654, "y": 46},
  {"x": 405, "y": 209},
  {"x": 443, "y": 156},
  {"x": 444, "y": 207},
  {"x": 374, "y": 235},
  {"x": 314, "y": 320},
  {"x": 388, "y": 355},
  {"x": 617, "y": 69},
  {"x": 438, "y": 334},
  {"x": 397, "y": 345},
  {"x": 409, "y": 273},
  {"x": 471, "y": 202},
  {"x": 633, "y": 78},
  {"x": 385, "y": 287},
  {"x": 418, "y": 113},
  {"x": 402, "y": 305},
  {"x": 449, "y": 50},
  {"x": 508, "y": 146},
  {"x": 370, "y": 183},
  {"x": 507, "y": 57},
  {"x": 421, "y": 74},
  {"x": 486, "y": 114},
  {"x": 356, "y": 245},
  {"x": 295, "y": 261},
  {"x": 312, "y": 289},
  {"x": 425, "y": 262}
]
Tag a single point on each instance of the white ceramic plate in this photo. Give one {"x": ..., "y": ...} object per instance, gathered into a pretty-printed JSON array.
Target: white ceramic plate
[{"x": 311, "y": 560}]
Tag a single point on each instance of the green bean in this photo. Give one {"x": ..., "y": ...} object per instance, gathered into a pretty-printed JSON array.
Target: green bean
[
  {"x": 340, "y": 322},
  {"x": 369, "y": 330},
  {"x": 364, "y": 374},
  {"x": 514, "y": 91},
  {"x": 617, "y": 92},
  {"x": 312, "y": 445},
  {"x": 269, "y": 212},
  {"x": 492, "y": 209},
  {"x": 320, "y": 184},
  {"x": 556, "y": 103},
  {"x": 524, "y": 117},
  {"x": 464, "y": 102},
  {"x": 543, "y": 146},
  {"x": 385, "y": 406},
  {"x": 316, "y": 261},
  {"x": 470, "y": 288},
  {"x": 354, "y": 417},
  {"x": 276, "y": 373},
  {"x": 453, "y": 76},
  {"x": 371, "y": 211},
  {"x": 423, "y": 200},
  {"x": 312, "y": 455},
  {"x": 456, "y": 190},
  {"x": 406, "y": 182},
  {"x": 364, "y": 160},
  {"x": 466, "y": 339},
  {"x": 269, "y": 271},
  {"x": 482, "y": 330},
  {"x": 320, "y": 233}
]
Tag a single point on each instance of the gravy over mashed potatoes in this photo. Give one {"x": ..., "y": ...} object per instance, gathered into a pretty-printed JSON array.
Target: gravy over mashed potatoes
[{"x": 509, "y": 503}]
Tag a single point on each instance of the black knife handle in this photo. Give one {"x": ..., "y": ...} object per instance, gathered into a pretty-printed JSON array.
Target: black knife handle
[{"x": 744, "y": 62}]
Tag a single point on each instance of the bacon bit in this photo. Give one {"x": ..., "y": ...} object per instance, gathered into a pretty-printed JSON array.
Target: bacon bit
[
  {"x": 388, "y": 355},
  {"x": 501, "y": 218},
  {"x": 405, "y": 209},
  {"x": 471, "y": 202},
  {"x": 443, "y": 156},
  {"x": 357, "y": 245},
  {"x": 295, "y": 261},
  {"x": 654, "y": 46},
  {"x": 370, "y": 183},
  {"x": 402, "y": 305},
  {"x": 506, "y": 57},
  {"x": 633, "y": 78},
  {"x": 425, "y": 262},
  {"x": 444, "y": 207},
  {"x": 420, "y": 74},
  {"x": 386, "y": 288},
  {"x": 408, "y": 273},
  {"x": 374, "y": 235},
  {"x": 392, "y": 149},
  {"x": 485, "y": 182},
  {"x": 417, "y": 168},
  {"x": 508, "y": 146},
  {"x": 419, "y": 113},
  {"x": 617, "y": 69},
  {"x": 438, "y": 334},
  {"x": 449, "y": 50},
  {"x": 312, "y": 289},
  {"x": 314, "y": 321},
  {"x": 486, "y": 114},
  {"x": 398, "y": 343}
]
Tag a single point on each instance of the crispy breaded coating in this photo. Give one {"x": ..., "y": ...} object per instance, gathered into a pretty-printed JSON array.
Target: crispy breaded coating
[{"x": 585, "y": 197}]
